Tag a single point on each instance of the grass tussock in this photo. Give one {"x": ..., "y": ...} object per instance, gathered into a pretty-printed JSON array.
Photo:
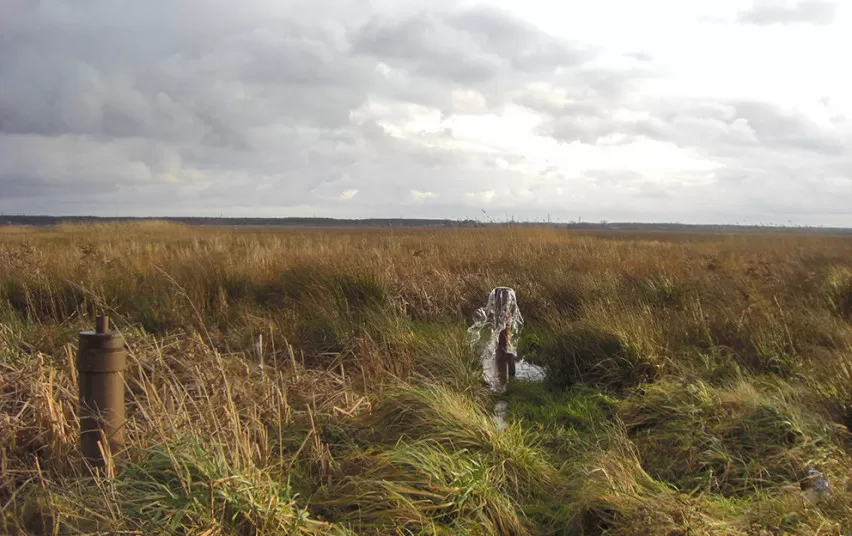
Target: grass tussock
[
  {"x": 416, "y": 487},
  {"x": 315, "y": 382},
  {"x": 456, "y": 420},
  {"x": 733, "y": 441},
  {"x": 838, "y": 292}
]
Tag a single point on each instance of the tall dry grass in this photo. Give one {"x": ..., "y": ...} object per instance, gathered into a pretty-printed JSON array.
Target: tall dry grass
[{"x": 319, "y": 381}]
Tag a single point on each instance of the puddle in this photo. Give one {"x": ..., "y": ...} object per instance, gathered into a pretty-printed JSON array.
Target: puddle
[{"x": 528, "y": 372}]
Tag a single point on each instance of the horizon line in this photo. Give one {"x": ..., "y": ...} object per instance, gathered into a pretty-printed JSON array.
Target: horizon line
[{"x": 9, "y": 219}]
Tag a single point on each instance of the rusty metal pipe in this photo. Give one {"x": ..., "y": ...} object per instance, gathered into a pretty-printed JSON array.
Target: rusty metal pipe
[
  {"x": 101, "y": 361},
  {"x": 505, "y": 360}
]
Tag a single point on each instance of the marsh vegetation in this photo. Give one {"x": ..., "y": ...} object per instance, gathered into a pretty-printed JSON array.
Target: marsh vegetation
[{"x": 320, "y": 382}]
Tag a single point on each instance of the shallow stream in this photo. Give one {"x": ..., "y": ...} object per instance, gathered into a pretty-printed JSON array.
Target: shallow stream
[{"x": 501, "y": 312}]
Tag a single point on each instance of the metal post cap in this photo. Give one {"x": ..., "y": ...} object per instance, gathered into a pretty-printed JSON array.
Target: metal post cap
[{"x": 101, "y": 352}]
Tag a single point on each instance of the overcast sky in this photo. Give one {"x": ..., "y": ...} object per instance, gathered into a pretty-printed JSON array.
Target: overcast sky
[{"x": 661, "y": 110}]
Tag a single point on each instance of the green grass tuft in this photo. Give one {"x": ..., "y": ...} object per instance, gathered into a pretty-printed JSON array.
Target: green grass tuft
[
  {"x": 838, "y": 292},
  {"x": 733, "y": 441},
  {"x": 584, "y": 354}
]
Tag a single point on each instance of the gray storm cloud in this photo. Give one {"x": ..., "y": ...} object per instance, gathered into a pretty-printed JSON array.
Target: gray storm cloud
[{"x": 209, "y": 107}]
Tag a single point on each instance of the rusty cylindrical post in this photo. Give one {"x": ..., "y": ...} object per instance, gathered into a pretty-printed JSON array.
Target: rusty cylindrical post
[
  {"x": 101, "y": 360},
  {"x": 505, "y": 360}
]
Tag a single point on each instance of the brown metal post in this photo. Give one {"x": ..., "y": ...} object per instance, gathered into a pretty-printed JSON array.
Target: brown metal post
[
  {"x": 505, "y": 360},
  {"x": 101, "y": 360}
]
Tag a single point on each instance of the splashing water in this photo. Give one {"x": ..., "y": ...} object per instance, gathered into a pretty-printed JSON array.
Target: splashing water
[
  {"x": 500, "y": 311},
  {"x": 500, "y": 314}
]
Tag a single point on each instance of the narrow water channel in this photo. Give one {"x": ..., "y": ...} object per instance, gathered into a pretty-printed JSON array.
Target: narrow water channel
[{"x": 501, "y": 315}]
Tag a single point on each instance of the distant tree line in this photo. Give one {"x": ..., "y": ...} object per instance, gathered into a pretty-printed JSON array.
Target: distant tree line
[
  {"x": 258, "y": 222},
  {"x": 405, "y": 222}
]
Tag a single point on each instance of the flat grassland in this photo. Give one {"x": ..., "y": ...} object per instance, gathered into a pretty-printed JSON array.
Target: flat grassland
[{"x": 320, "y": 382}]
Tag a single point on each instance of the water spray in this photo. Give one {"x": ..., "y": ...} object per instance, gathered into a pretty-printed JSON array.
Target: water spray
[{"x": 502, "y": 318}]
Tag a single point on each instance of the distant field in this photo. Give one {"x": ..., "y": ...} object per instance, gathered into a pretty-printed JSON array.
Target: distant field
[{"x": 319, "y": 381}]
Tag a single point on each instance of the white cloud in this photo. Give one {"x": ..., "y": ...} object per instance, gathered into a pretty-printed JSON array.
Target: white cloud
[
  {"x": 349, "y": 194},
  {"x": 420, "y": 197},
  {"x": 485, "y": 197}
]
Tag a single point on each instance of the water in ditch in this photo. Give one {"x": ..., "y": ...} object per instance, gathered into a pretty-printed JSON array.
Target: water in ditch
[{"x": 500, "y": 311}]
